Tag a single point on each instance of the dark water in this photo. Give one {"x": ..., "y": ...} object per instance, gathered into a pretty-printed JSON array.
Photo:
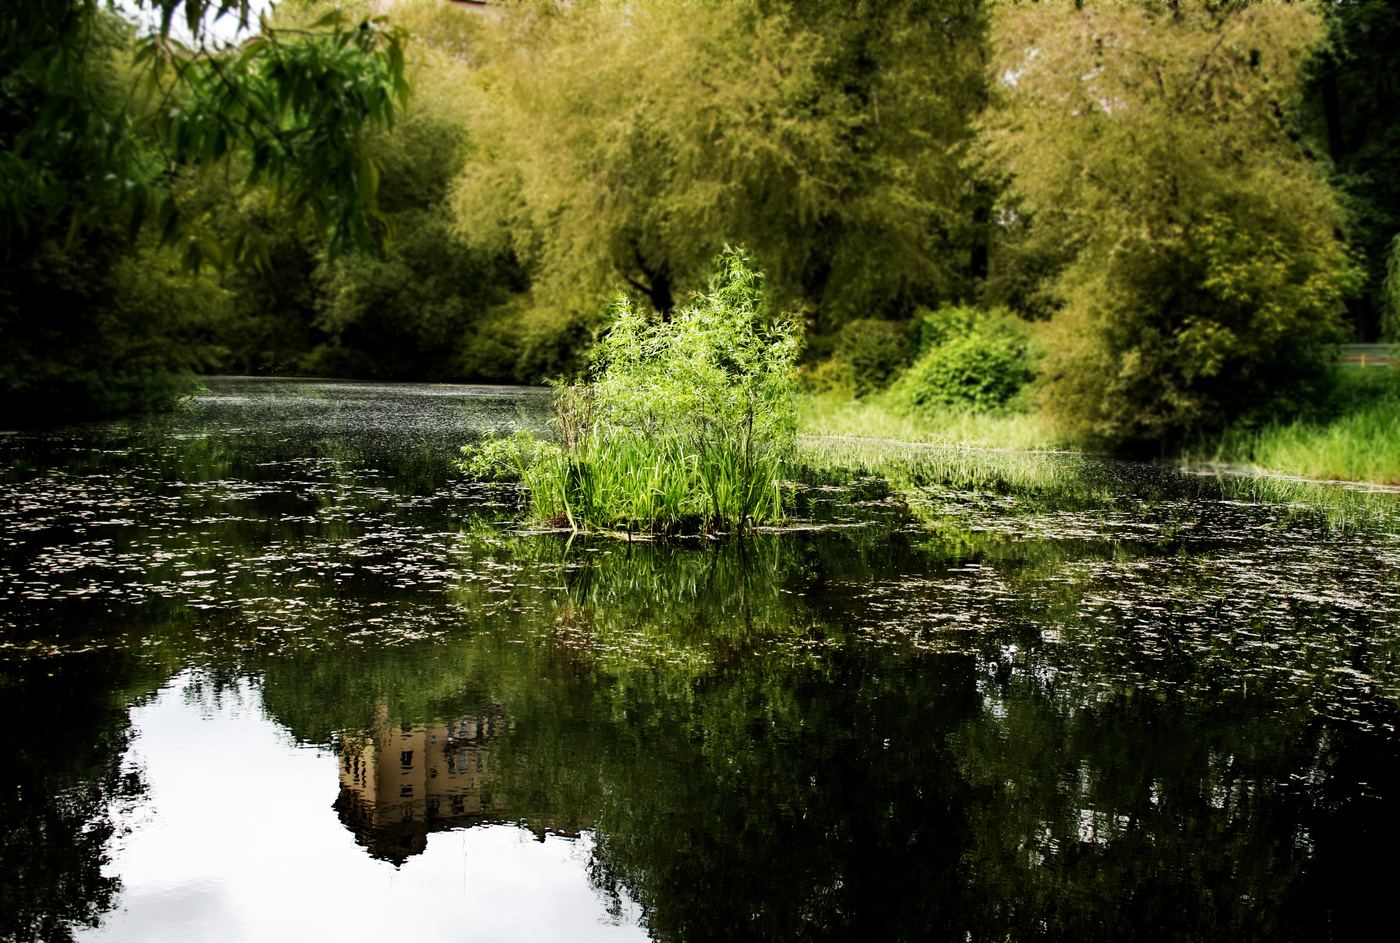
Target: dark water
[{"x": 272, "y": 670}]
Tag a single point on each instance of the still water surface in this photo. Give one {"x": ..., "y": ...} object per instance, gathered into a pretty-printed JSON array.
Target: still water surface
[{"x": 275, "y": 671}]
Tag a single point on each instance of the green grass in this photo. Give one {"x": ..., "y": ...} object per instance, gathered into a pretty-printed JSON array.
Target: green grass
[
  {"x": 1353, "y": 434},
  {"x": 876, "y": 418},
  {"x": 1358, "y": 438}
]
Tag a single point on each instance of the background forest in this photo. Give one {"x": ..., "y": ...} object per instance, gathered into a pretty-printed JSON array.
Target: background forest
[{"x": 1141, "y": 221}]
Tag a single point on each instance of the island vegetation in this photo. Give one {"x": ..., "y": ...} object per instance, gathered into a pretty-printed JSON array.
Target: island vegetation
[{"x": 1139, "y": 227}]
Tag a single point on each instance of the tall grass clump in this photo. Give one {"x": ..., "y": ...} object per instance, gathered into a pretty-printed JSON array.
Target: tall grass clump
[
  {"x": 685, "y": 425},
  {"x": 1352, "y": 435}
]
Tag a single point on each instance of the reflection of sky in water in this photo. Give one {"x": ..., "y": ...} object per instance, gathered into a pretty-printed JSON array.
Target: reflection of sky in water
[
  {"x": 1041, "y": 697},
  {"x": 238, "y": 841}
]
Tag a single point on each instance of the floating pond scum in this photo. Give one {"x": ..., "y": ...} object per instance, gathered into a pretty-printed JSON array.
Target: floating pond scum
[{"x": 277, "y": 650}]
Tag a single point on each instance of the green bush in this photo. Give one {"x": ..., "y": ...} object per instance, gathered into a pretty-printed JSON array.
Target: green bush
[
  {"x": 866, "y": 355},
  {"x": 1159, "y": 344},
  {"x": 968, "y": 359},
  {"x": 686, "y": 424}
]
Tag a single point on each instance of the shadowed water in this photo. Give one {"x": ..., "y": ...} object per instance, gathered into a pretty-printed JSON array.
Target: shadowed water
[{"x": 276, "y": 671}]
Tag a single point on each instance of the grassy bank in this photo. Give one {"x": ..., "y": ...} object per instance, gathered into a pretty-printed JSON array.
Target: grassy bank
[
  {"x": 1012, "y": 454},
  {"x": 1351, "y": 433},
  {"x": 877, "y": 418},
  {"x": 1353, "y": 436}
]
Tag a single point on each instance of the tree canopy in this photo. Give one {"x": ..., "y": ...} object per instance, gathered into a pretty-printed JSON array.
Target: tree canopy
[
  {"x": 98, "y": 131},
  {"x": 1151, "y": 147},
  {"x": 85, "y": 133},
  {"x": 629, "y": 142}
]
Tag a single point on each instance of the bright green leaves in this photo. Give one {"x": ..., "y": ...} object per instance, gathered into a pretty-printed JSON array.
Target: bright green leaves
[
  {"x": 713, "y": 373},
  {"x": 294, "y": 108},
  {"x": 687, "y": 423}
]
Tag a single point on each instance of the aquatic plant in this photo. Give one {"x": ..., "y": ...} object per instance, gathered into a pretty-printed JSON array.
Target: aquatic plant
[{"x": 685, "y": 425}]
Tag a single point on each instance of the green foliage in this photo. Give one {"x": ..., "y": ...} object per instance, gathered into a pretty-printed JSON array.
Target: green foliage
[
  {"x": 68, "y": 151},
  {"x": 968, "y": 359},
  {"x": 1203, "y": 270},
  {"x": 299, "y": 106},
  {"x": 430, "y": 305},
  {"x": 425, "y": 308},
  {"x": 101, "y": 135},
  {"x": 657, "y": 132},
  {"x": 686, "y": 423},
  {"x": 866, "y": 355},
  {"x": 85, "y": 133},
  {"x": 1352, "y": 114}
]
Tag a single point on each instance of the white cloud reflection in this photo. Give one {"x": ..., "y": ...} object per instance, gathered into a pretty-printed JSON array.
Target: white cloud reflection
[{"x": 239, "y": 842}]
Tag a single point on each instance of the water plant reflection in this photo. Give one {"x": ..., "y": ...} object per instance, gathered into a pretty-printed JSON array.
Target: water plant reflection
[
  {"x": 1039, "y": 697},
  {"x": 620, "y": 606}
]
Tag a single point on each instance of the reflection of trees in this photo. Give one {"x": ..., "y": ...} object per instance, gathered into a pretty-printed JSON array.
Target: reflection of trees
[
  {"x": 63, "y": 790},
  {"x": 1146, "y": 816},
  {"x": 758, "y": 732},
  {"x": 1127, "y": 818},
  {"x": 801, "y": 804},
  {"x": 749, "y": 770}
]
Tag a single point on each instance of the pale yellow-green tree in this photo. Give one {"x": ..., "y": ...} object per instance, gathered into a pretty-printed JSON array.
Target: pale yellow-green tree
[
  {"x": 1148, "y": 145},
  {"x": 624, "y": 144}
]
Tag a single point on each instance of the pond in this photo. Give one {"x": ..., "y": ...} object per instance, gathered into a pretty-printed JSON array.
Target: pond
[{"x": 274, "y": 670}]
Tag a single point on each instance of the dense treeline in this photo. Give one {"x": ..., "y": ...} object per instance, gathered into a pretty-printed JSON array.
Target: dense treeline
[
  {"x": 1180, "y": 204},
  {"x": 111, "y": 147}
]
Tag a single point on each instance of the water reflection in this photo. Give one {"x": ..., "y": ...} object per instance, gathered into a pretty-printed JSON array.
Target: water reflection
[
  {"x": 405, "y": 781},
  {"x": 237, "y": 841},
  {"x": 1004, "y": 697},
  {"x": 64, "y": 793}
]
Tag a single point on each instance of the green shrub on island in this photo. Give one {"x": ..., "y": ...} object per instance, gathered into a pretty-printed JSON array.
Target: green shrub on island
[
  {"x": 969, "y": 359},
  {"x": 685, "y": 426}
]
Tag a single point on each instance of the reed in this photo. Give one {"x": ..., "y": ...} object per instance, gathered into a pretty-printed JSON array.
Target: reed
[
  {"x": 685, "y": 426},
  {"x": 1357, "y": 439}
]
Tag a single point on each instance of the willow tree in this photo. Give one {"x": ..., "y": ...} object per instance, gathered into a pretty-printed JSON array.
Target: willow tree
[
  {"x": 626, "y": 143},
  {"x": 1153, "y": 142}
]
